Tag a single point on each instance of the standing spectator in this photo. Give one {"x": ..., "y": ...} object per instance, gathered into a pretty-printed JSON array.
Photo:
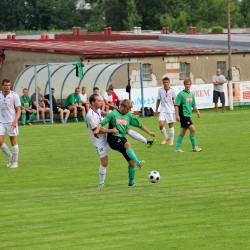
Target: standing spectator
[
  {"x": 218, "y": 80},
  {"x": 108, "y": 100},
  {"x": 73, "y": 103},
  {"x": 96, "y": 91},
  {"x": 56, "y": 108},
  {"x": 166, "y": 97},
  {"x": 115, "y": 98},
  {"x": 40, "y": 105},
  {"x": 26, "y": 107},
  {"x": 84, "y": 98},
  {"x": 184, "y": 103},
  {"x": 10, "y": 111}
]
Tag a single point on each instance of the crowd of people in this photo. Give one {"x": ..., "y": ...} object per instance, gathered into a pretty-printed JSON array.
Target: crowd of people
[{"x": 98, "y": 111}]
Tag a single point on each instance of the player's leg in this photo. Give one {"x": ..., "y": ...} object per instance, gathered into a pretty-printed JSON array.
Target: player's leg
[
  {"x": 170, "y": 118},
  {"x": 32, "y": 116},
  {"x": 15, "y": 155},
  {"x": 60, "y": 111},
  {"x": 215, "y": 100},
  {"x": 131, "y": 173},
  {"x": 180, "y": 139},
  {"x": 193, "y": 138},
  {"x": 23, "y": 116},
  {"x": 4, "y": 146},
  {"x": 137, "y": 136},
  {"x": 67, "y": 113},
  {"x": 162, "y": 128},
  {"x": 131, "y": 154},
  {"x": 73, "y": 109},
  {"x": 222, "y": 99},
  {"x": 103, "y": 154},
  {"x": 83, "y": 113}
]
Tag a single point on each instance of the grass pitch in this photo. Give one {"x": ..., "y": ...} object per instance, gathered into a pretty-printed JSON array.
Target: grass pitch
[{"x": 201, "y": 202}]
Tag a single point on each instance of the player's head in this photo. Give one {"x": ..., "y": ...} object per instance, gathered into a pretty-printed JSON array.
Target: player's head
[
  {"x": 52, "y": 91},
  {"x": 218, "y": 72},
  {"x": 187, "y": 84},
  {"x": 25, "y": 92},
  {"x": 77, "y": 91},
  {"x": 84, "y": 89},
  {"x": 126, "y": 106},
  {"x": 166, "y": 82},
  {"x": 95, "y": 101},
  {"x": 109, "y": 91},
  {"x": 6, "y": 85},
  {"x": 111, "y": 86}
]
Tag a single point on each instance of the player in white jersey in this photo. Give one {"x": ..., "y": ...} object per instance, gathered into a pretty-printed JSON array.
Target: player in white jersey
[
  {"x": 166, "y": 97},
  {"x": 10, "y": 111},
  {"x": 100, "y": 141}
]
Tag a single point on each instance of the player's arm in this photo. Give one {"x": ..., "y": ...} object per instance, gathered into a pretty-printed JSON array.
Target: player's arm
[
  {"x": 108, "y": 131},
  {"x": 18, "y": 113},
  {"x": 197, "y": 111},
  {"x": 177, "y": 113},
  {"x": 157, "y": 106}
]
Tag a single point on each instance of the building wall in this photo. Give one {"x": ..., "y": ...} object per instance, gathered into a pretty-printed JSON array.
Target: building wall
[{"x": 202, "y": 67}]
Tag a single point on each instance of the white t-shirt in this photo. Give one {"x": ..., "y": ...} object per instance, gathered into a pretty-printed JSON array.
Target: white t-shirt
[
  {"x": 219, "y": 78},
  {"x": 167, "y": 99},
  {"x": 107, "y": 97},
  {"x": 84, "y": 97},
  {"x": 93, "y": 120},
  {"x": 8, "y": 106}
]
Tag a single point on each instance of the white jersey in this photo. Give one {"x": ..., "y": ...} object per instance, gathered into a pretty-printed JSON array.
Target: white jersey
[
  {"x": 8, "y": 106},
  {"x": 167, "y": 99},
  {"x": 107, "y": 97},
  {"x": 93, "y": 120},
  {"x": 220, "y": 87},
  {"x": 84, "y": 97}
]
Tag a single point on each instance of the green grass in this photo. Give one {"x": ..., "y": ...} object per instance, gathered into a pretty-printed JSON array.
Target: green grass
[{"x": 201, "y": 202}]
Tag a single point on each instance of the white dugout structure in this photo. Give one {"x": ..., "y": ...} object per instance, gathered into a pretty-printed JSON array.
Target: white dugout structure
[{"x": 62, "y": 77}]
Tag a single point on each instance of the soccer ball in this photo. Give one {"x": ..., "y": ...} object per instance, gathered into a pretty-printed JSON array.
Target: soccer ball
[{"x": 154, "y": 176}]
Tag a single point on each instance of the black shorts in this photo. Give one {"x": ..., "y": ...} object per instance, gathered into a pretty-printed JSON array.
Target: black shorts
[
  {"x": 185, "y": 122},
  {"x": 217, "y": 95},
  {"x": 117, "y": 143},
  {"x": 55, "y": 109}
]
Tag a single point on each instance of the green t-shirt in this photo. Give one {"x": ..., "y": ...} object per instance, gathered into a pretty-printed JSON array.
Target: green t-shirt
[
  {"x": 121, "y": 122},
  {"x": 25, "y": 102},
  {"x": 186, "y": 101},
  {"x": 72, "y": 99}
]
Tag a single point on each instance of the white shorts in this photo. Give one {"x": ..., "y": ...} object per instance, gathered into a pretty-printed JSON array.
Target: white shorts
[
  {"x": 7, "y": 127},
  {"x": 169, "y": 118},
  {"x": 103, "y": 150}
]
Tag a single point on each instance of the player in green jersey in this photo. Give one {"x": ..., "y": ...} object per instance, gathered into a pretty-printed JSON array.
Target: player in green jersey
[
  {"x": 121, "y": 119},
  {"x": 184, "y": 103}
]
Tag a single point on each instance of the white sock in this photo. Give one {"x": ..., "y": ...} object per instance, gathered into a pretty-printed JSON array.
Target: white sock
[
  {"x": 171, "y": 131},
  {"x": 102, "y": 172},
  {"x": 6, "y": 150},
  {"x": 164, "y": 132},
  {"x": 15, "y": 153},
  {"x": 135, "y": 135}
]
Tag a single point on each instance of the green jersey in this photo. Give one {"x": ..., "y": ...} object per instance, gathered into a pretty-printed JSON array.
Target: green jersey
[
  {"x": 186, "y": 101},
  {"x": 72, "y": 99},
  {"x": 25, "y": 102},
  {"x": 121, "y": 122}
]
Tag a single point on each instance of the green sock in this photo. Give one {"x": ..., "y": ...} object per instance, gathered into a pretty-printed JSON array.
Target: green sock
[
  {"x": 131, "y": 175},
  {"x": 131, "y": 154},
  {"x": 193, "y": 140},
  {"x": 32, "y": 117},
  {"x": 179, "y": 142},
  {"x": 23, "y": 116}
]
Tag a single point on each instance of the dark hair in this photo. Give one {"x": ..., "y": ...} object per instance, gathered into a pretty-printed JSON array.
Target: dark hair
[
  {"x": 95, "y": 88},
  {"x": 77, "y": 88},
  {"x": 187, "y": 80},
  {"x": 52, "y": 89},
  {"x": 92, "y": 98},
  {"x": 5, "y": 81},
  {"x": 165, "y": 78}
]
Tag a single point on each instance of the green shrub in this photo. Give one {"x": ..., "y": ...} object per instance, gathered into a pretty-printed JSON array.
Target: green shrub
[{"x": 217, "y": 29}]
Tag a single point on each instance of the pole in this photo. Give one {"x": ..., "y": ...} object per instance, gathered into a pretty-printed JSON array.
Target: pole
[{"x": 230, "y": 89}]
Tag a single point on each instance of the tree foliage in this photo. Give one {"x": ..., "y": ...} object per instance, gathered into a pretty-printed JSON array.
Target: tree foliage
[{"x": 178, "y": 15}]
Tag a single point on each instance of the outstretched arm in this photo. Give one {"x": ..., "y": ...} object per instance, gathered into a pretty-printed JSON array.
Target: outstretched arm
[{"x": 143, "y": 128}]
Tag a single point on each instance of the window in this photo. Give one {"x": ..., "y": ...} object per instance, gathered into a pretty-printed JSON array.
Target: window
[
  {"x": 147, "y": 72},
  {"x": 222, "y": 65},
  {"x": 184, "y": 70}
]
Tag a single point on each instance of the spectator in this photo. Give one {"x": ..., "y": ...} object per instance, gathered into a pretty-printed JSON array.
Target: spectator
[
  {"x": 84, "y": 98},
  {"x": 26, "y": 107},
  {"x": 73, "y": 104},
  {"x": 96, "y": 91},
  {"x": 41, "y": 105},
  {"x": 56, "y": 108},
  {"x": 116, "y": 100},
  {"x": 108, "y": 100},
  {"x": 218, "y": 81}
]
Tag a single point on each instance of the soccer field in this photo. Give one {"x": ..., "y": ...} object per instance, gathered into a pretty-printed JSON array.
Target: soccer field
[{"x": 201, "y": 202}]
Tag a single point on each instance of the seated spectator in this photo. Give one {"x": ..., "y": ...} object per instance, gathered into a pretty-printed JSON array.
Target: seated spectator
[
  {"x": 116, "y": 100},
  {"x": 96, "y": 91},
  {"x": 40, "y": 105},
  {"x": 73, "y": 103},
  {"x": 26, "y": 107},
  {"x": 108, "y": 100},
  {"x": 56, "y": 108},
  {"x": 84, "y": 98}
]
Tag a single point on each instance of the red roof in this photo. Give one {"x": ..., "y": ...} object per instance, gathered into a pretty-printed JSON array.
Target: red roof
[{"x": 95, "y": 49}]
